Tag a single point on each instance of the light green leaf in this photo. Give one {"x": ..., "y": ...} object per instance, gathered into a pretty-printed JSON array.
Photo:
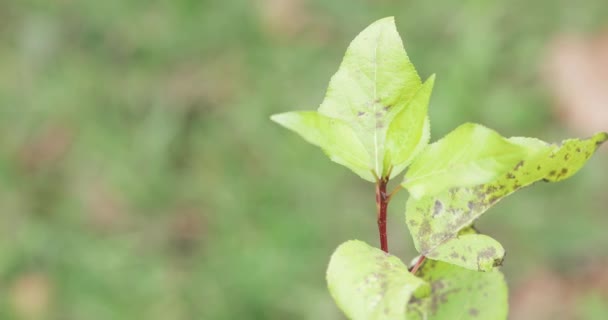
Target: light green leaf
[
  {"x": 369, "y": 284},
  {"x": 460, "y": 294},
  {"x": 376, "y": 84},
  {"x": 469, "y": 155},
  {"x": 336, "y": 139},
  {"x": 410, "y": 131},
  {"x": 434, "y": 221},
  {"x": 471, "y": 251}
]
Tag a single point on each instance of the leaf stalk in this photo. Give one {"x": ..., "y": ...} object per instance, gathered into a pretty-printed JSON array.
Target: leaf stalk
[{"x": 382, "y": 200}]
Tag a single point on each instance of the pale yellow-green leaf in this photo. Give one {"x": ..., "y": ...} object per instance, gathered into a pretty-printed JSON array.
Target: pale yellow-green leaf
[
  {"x": 409, "y": 132},
  {"x": 433, "y": 221},
  {"x": 336, "y": 139},
  {"x": 374, "y": 79},
  {"x": 369, "y": 284},
  {"x": 471, "y": 251},
  {"x": 460, "y": 294},
  {"x": 469, "y": 155},
  {"x": 375, "y": 84}
]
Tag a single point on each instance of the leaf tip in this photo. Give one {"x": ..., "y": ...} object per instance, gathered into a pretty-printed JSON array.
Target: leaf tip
[
  {"x": 277, "y": 117},
  {"x": 285, "y": 119},
  {"x": 389, "y": 19},
  {"x": 601, "y": 138}
]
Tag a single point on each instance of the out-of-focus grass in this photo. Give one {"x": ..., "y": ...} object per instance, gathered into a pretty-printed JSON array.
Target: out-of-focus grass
[{"x": 140, "y": 176}]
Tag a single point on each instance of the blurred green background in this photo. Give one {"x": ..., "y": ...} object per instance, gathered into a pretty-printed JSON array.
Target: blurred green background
[{"x": 141, "y": 178}]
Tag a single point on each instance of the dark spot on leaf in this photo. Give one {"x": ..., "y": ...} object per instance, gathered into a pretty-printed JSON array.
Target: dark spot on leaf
[
  {"x": 413, "y": 223},
  {"x": 564, "y": 171},
  {"x": 360, "y": 114},
  {"x": 471, "y": 205},
  {"x": 497, "y": 263},
  {"x": 518, "y": 165},
  {"x": 463, "y": 258},
  {"x": 473, "y": 312},
  {"x": 386, "y": 108},
  {"x": 578, "y": 150},
  {"x": 494, "y": 199},
  {"x": 490, "y": 189},
  {"x": 552, "y": 173},
  {"x": 437, "y": 285},
  {"x": 437, "y": 208},
  {"x": 454, "y": 255},
  {"x": 379, "y": 125},
  {"x": 538, "y": 168},
  {"x": 510, "y": 176},
  {"x": 379, "y": 114},
  {"x": 566, "y": 156},
  {"x": 425, "y": 228},
  {"x": 487, "y": 253}
]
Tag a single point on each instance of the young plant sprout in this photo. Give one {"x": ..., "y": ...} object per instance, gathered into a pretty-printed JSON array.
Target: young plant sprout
[{"x": 374, "y": 121}]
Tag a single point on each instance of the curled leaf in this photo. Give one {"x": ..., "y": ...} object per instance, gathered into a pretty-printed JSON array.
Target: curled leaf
[{"x": 369, "y": 284}]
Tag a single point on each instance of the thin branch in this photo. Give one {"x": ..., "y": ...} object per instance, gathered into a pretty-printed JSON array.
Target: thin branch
[{"x": 381, "y": 206}]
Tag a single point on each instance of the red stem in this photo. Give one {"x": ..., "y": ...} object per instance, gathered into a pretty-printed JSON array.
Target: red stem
[
  {"x": 418, "y": 264},
  {"x": 382, "y": 199}
]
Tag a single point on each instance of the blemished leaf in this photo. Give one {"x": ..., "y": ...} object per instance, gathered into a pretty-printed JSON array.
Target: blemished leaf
[
  {"x": 334, "y": 136},
  {"x": 471, "y": 251},
  {"x": 369, "y": 284},
  {"x": 460, "y": 294},
  {"x": 375, "y": 86},
  {"x": 434, "y": 221},
  {"x": 471, "y": 154}
]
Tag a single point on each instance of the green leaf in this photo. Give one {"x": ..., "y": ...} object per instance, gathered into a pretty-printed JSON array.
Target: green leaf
[
  {"x": 471, "y": 251},
  {"x": 469, "y": 155},
  {"x": 369, "y": 284},
  {"x": 434, "y": 221},
  {"x": 334, "y": 136},
  {"x": 460, "y": 294},
  {"x": 375, "y": 86},
  {"x": 410, "y": 131}
]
